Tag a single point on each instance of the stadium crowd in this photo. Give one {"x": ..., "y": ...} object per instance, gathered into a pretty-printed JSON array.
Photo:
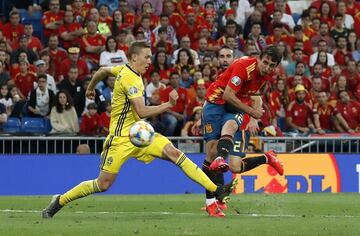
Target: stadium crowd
[{"x": 50, "y": 49}]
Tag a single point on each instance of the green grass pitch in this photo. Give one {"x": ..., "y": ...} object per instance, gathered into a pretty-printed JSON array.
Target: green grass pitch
[{"x": 251, "y": 214}]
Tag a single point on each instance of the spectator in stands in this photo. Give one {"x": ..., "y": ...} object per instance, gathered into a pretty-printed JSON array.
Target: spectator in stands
[
  {"x": 323, "y": 34},
  {"x": 232, "y": 44},
  {"x": 3, "y": 114},
  {"x": 171, "y": 33},
  {"x": 256, "y": 37},
  {"x": 284, "y": 50},
  {"x": 351, "y": 42},
  {"x": 340, "y": 84},
  {"x": 199, "y": 99},
  {"x": 118, "y": 23},
  {"x": 347, "y": 112},
  {"x": 91, "y": 122},
  {"x": 57, "y": 56},
  {"x": 112, "y": 56},
  {"x": 52, "y": 19},
  {"x": 278, "y": 102},
  {"x": 352, "y": 75},
  {"x": 41, "y": 99},
  {"x": 300, "y": 36},
  {"x": 105, "y": 117},
  {"x": 63, "y": 116},
  {"x": 185, "y": 44},
  {"x": 101, "y": 27},
  {"x": 5, "y": 98},
  {"x": 186, "y": 79},
  {"x": 104, "y": 14},
  {"x": 326, "y": 13},
  {"x": 341, "y": 53},
  {"x": 175, "y": 117},
  {"x": 83, "y": 148},
  {"x": 322, "y": 114},
  {"x": 348, "y": 19},
  {"x": 18, "y": 103},
  {"x": 161, "y": 64},
  {"x": 154, "y": 85},
  {"x": 72, "y": 84},
  {"x": 108, "y": 91},
  {"x": 4, "y": 76},
  {"x": 24, "y": 80},
  {"x": 299, "y": 113},
  {"x": 13, "y": 29},
  {"x": 92, "y": 44},
  {"x": 41, "y": 70},
  {"x": 184, "y": 59},
  {"x": 70, "y": 32},
  {"x": 34, "y": 42},
  {"x": 81, "y": 101},
  {"x": 339, "y": 29},
  {"x": 195, "y": 116},
  {"x": 74, "y": 59},
  {"x": 322, "y": 46},
  {"x": 176, "y": 20},
  {"x": 285, "y": 17},
  {"x": 23, "y": 47},
  {"x": 190, "y": 28}
]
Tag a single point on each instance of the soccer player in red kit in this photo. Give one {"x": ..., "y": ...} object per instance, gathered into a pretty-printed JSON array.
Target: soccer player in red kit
[{"x": 228, "y": 110}]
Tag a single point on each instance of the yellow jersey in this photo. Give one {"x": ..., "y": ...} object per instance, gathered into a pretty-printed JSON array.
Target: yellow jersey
[{"x": 128, "y": 85}]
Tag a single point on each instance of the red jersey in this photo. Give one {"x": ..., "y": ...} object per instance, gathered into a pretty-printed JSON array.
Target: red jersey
[
  {"x": 341, "y": 58},
  {"x": 25, "y": 83},
  {"x": 353, "y": 79},
  {"x": 242, "y": 76},
  {"x": 176, "y": 20},
  {"x": 56, "y": 56},
  {"x": 81, "y": 65},
  {"x": 325, "y": 114},
  {"x": 69, "y": 28},
  {"x": 49, "y": 17},
  {"x": 12, "y": 33},
  {"x": 299, "y": 113},
  {"x": 270, "y": 7},
  {"x": 92, "y": 40},
  {"x": 90, "y": 124},
  {"x": 350, "y": 112},
  {"x": 105, "y": 119},
  {"x": 181, "y": 102}
]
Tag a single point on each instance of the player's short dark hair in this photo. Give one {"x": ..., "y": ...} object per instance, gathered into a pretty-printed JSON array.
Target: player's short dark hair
[
  {"x": 273, "y": 53},
  {"x": 136, "y": 47}
]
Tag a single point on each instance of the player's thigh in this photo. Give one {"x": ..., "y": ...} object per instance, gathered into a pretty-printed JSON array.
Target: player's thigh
[
  {"x": 156, "y": 149},
  {"x": 241, "y": 119},
  {"x": 212, "y": 121},
  {"x": 116, "y": 151}
]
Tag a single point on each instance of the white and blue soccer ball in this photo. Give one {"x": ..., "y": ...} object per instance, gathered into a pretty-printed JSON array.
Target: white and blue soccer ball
[{"x": 141, "y": 134}]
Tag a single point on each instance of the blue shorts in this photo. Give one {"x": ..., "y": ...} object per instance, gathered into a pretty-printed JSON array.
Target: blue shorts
[{"x": 214, "y": 117}]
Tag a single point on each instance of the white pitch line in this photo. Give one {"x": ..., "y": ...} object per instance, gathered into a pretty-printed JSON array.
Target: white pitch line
[{"x": 188, "y": 213}]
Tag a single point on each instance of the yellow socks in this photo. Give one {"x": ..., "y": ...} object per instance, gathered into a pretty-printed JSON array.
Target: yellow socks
[
  {"x": 82, "y": 190},
  {"x": 195, "y": 173}
]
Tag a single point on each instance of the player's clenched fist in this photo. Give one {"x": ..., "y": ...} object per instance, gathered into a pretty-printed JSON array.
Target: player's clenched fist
[{"x": 173, "y": 97}]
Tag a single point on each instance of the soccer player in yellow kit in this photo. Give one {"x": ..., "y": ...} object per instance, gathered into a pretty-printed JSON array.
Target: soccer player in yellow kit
[{"x": 128, "y": 106}]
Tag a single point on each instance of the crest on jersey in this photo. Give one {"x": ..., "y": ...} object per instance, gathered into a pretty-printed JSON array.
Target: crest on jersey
[
  {"x": 133, "y": 90},
  {"x": 109, "y": 161},
  {"x": 208, "y": 128},
  {"x": 235, "y": 80}
]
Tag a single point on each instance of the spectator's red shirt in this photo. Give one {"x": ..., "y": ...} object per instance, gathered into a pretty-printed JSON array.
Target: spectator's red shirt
[
  {"x": 270, "y": 7},
  {"x": 92, "y": 40},
  {"x": 350, "y": 112},
  {"x": 123, "y": 47},
  {"x": 49, "y": 17},
  {"x": 105, "y": 120},
  {"x": 34, "y": 44},
  {"x": 181, "y": 103},
  {"x": 12, "y": 33},
  {"x": 192, "y": 104},
  {"x": 15, "y": 69},
  {"x": 242, "y": 76},
  {"x": 69, "y": 28},
  {"x": 341, "y": 58},
  {"x": 108, "y": 20},
  {"x": 191, "y": 31},
  {"x": 270, "y": 39},
  {"x": 90, "y": 124},
  {"x": 176, "y": 20},
  {"x": 81, "y": 65},
  {"x": 353, "y": 79},
  {"x": 306, "y": 82},
  {"x": 299, "y": 113},
  {"x": 57, "y": 56},
  {"x": 25, "y": 83},
  {"x": 130, "y": 18},
  {"x": 325, "y": 113}
]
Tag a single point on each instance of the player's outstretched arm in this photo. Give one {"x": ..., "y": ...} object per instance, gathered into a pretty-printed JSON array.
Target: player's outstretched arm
[
  {"x": 148, "y": 111},
  {"x": 99, "y": 75}
]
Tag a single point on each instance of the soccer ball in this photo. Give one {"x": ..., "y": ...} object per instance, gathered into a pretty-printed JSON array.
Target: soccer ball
[{"x": 141, "y": 134}]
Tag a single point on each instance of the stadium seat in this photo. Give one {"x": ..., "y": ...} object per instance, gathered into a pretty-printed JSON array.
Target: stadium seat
[
  {"x": 33, "y": 125},
  {"x": 12, "y": 125}
]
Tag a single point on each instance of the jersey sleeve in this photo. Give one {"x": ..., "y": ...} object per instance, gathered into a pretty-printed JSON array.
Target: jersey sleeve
[{"x": 237, "y": 78}]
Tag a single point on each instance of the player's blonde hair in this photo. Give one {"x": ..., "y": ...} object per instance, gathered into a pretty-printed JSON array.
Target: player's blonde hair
[{"x": 136, "y": 47}]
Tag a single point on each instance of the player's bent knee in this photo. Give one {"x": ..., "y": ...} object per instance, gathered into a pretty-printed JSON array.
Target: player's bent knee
[
  {"x": 171, "y": 153},
  {"x": 230, "y": 127},
  {"x": 104, "y": 185}
]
